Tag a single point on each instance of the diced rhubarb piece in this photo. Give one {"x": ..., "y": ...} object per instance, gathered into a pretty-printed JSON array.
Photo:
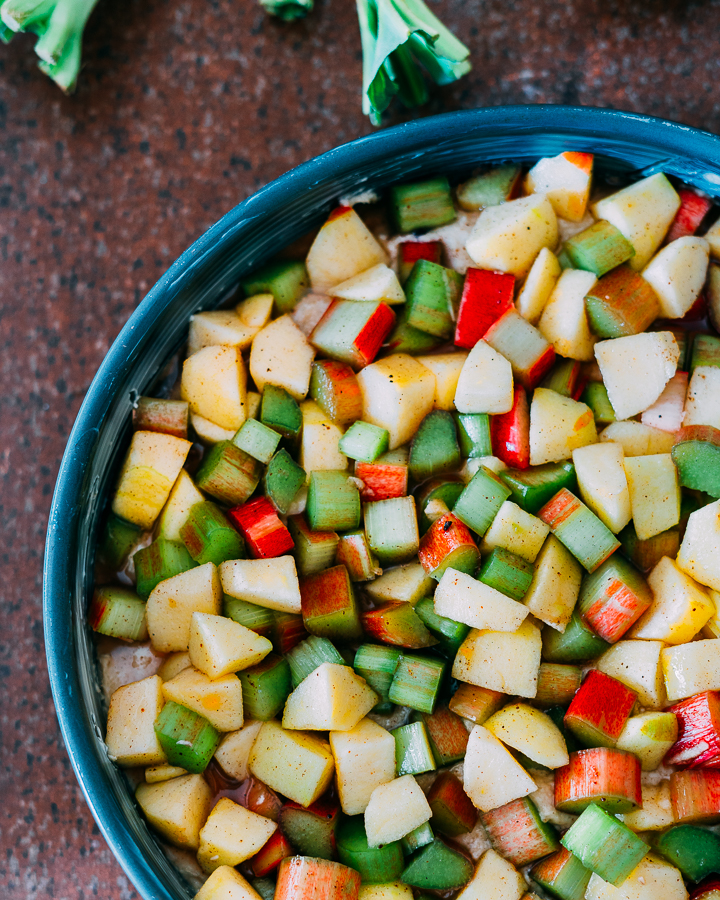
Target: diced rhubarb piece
[
  {"x": 166, "y": 416},
  {"x": 474, "y": 434},
  {"x": 375, "y": 865},
  {"x": 506, "y": 572},
  {"x": 646, "y": 554},
  {"x": 265, "y": 687},
  {"x": 695, "y": 795},
  {"x": 433, "y": 296},
  {"x": 444, "y": 490},
  {"x": 209, "y": 536},
  {"x": 260, "y": 525},
  {"x": 434, "y": 449},
  {"x": 449, "y": 633},
  {"x": 311, "y": 829},
  {"x": 564, "y": 378},
  {"x": 391, "y": 529},
  {"x": 696, "y": 454},
  {"x": 409, "y": 252},
  {"x": 557, "y": 684},
  {"x": 355, "y": 554},
  {"x": 580, "y": 530},
  {"x": 448, "y": 543},
  {"x": 286, "y": 280},
  {"x": 562, "y": 875},
  {"x": 605, "y": 846},
  {"x": 417, "y": 838},
  {"x": 604, "y": 776},
  {"x": 613, "y": 598},
  {"x": 578, "y": 643},
  {"x": 364, "y": 442},
  {"x": 382, "y": 481},
  {"x": 705, "y": 351},
  {"x": 117, "y": 540},
  {"x": 695, "y": 851},
  {"x": 511, "y": 432},
  {"x": 334, "y": 387},
  {"x": 228, "y": 473},
  {"x": 288, "y": 631},
  {"x": 621, "y": 303},
  {"x": 447, "y": 734},
  {"x": 489, "y": 188},
  {"x": 353, "y": 331},
  {"x": 595, "y": 396},
  {"x": 481, "y": 500},
  {"x": 423, "y": 204},
  {"x": 118, "y": 612},
  {"x": 187, "y": 738},
  {"x": 413, "y": 753},
  {"x": 405, "y": 338},
  {"x": 693, "y": 209},
  {"x": 280, "y": 411},
  {"x": 530, "y": 355},
  {"x": 329, "y": 605},
  {"x": 437, "y": 866},
  {"x": 377, "y": 665},
  {"x": 698, "y": 742},
  {"x": 416, "y": 682},
  {"x": 453, "y": 812},
  {"x": 486, "y": 296},
  {"x": 305, "y": 878},
  {"x": 518, "y": 833},
  {"x": 599, "y": 248},
  {"x": 474, "y": 703},
  {"x": 314, "y": 550},
  {"x": 599, "y": 710},
  {"x": 257, "y": 439},
  {"x": 333, "y": 502},
  {"x": 283, "y": 480},
  {"x": 272, "y": 854},
  {"x": 531, "y": 489},
  {"x": 308, "y": 655},
  {"x": 397, "y": 624}
]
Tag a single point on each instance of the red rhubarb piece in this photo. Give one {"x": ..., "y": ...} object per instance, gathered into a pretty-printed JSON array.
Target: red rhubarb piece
[
  {"x": 409, "y": 252},
  {"x": 448, "y": 542},
  {"x": 381, "y": 481},
  {"x": 397, "y": 624},
  {"x": 604, "y": 776},
  {"x": 453, "y": 810},
  {"x": 695, "y": 795},
  {"x": 698, "y": 742},
  {"x": 517, "y": 832},
  {"x": 270, "y": 856},
  {"x": 709, "y": 889},
  {"x": 510, "y": 432},
  {"x": 485, "y": 297},
  {"x": 693, "y": 209},
  {"x": 260, "y": 525},
  {"x": 599, "y": 710},
  {"x": 329, "y": 605},
  {"x": 307, "y": 878}
]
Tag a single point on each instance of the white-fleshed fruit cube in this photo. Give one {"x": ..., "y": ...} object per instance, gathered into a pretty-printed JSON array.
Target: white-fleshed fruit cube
[
  {"x": 344, "y": 247},
  {"x": 538, "y": 286},
  {"x": 712, "y": 236},
  {"x": 177, "y": 808},
  {"x": 654, "y": 493},
  {"x": 309, "y": 310},
  {"x": 378, "y": 283},
  {"x": 219, "y": 700},
  {"x": 471, "y": 466},
  {"x": 152, "y": 464},
  {"x": 214, "y": 383},
  {"x": 171, "y": 604},
  {"x": 130, "y": 736},
  {"x": 485, "y": 384},
  {"x": 680, "y": 606},
  {"x": 667, "y": 412},
  {"x": 555, "y": 585},
  {"x": 677, "y": 274},
  {"x": 508, "y": 237},
  {"x": 649, "y": 736},
  {"x": 564, "y": 321},
  {"x": 465, "y": 599},
  {"x": 446, "y": 368},
  {"x": 492, "y": 775},
  {"x": 702, "y": 404},
  {"x": 226, "y": 883},
  {"x": 219, "y": 646},
  {"x": 173, "y": 664},
  {"x": 299, "y": 766},
  {"x": 164, "y": 772},
  {"x": 565, "y": 181},
  {"x": 699, "y": 554},
  {"x": 208, "y": 432},
  {"x": 494, "y": 879},
  {"x": 515, "y": 530},
  {"x": 656, "y": 812},
  {"x": 272, "y": 583},
  {"x": 558, "y": 425},
  {"x": 691, "y": 668},
  {"x": 183, "y": 496},
  {"x": 231, "y": 835},
  {"x": 254, "y": 312},
  {"x": 364, "y": 759},
  {"x": 643, "y": 212},
  {"x": 394, "y": 890},
  {"x": 409, "y": 583},
  {"x": 637, "y": 439},
  {"x": 394, "y": 810},
  {"x": 233, "y": 751},
  {"x": 636, "y": 664},
  {"x": 603, "y": 483},
  {"x": 398, "y": 392},
  {"x": 332, "y": 698},
  {"x": 530, "y": 731},
  {"x": 225, "y": 328},
  {"x": 712, "y": 627},
  {"x": 319, "y": 442},
  {"x": 652, "y": 879},
  {"x": 636, "y": 369},
  {"x": 500, "y": 660},
  {"x": 281, "y": 355}
]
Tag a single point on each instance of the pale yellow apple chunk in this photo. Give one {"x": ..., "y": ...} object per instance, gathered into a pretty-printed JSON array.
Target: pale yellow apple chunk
[
  {"x": 603, "y": 483},
  {"x": 226, "y": 883},
  {"x": 272, "y": 583},
  {"x": 485, "y": 384},
  {"x": 378, "y": 283},
  {"x": 538, "y": 286},
  {"x": 332, "y": 698},
  {"x": 394, "y": 890},
  {"x": 398, "y": 392},
  {"x": 712, "y": 627},
  {"x": 218, "y": 700},
  {"x": 495, "y": 879},
  {"x": 530, "y": 731},
  {"x": 565, "y": 183},
  {"x": 364, "y": 759},
  {"x": 502, "y": 661},
  {"x": 233, "y": 752},
  {"x": 677, "y": 274},
  {"x": 395, "y": 809},
  {"x": 177, "y": 808},
  {"x": 219, "y": 646},
  {"x": 699, "y": 554},
  {"x": 183, "y": 496},
  {"x": 702, "y": 404},
  {"x": 555, "y": 585},
  {"x": 652, "y": 879},
  {"x": 156, "y": 774},
  {"x": 343, "y": 248},
  {"x": 171, "y": 604},
  {"x": 152, "y": 464},
  {"x": 446, "y": 368},
  {"x": 656, "y": 812},
  {"x": 649, "y": 736},
  {"x": 409, "y": 582},
  {"x": 691, "y": 668},
  {"x": 637, "y": 439},
  {"x": 299, "y": 766},
  {"x": 281, "y": 355},
  {"x": 231, "y": 835},
  {"x": 208, "y": 432},
  {"x": 220, "y": 328},
  {"x": 712, "y": 236},
  {"x": 319, "y": 442},
  {"x": 558, "y": 425},
  {"x": 173, "y": 664},
  {"x": 214, "y": 383},
  {"x": 564, "y": 321},
  {"x": 492, "y": 775},
  {"x": 130, "y": 736},
  {"x": 637, "y": 665},
  {"x": 654, "y": 493},
  {"x": 465, "y": 599},
  {"x": 515, "y": 530}
]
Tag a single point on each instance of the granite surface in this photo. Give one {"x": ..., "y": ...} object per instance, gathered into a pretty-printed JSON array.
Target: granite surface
[{"x": 184, "y": 108}]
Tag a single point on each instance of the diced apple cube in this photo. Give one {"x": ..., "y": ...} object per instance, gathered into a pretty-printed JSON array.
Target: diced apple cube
[
  {"x": 507, "y": 238},
  {"x": 500, "y": 660},
  {"x": 226, "y": 883},
  {"x": 652, "y": 879},
  {"x": 395, "y": 809},
  {"x": 309, "y": 310},
  {"x": 394, "y": 890},
  {"x": 231, "y": 835},
  {"x": 183, "y": 496},
  {"x": 712, "y": 628},
  {"x": 691, "y": 668},
  {"x": 222, "y": 328},
  {"x": 214, "y": 384},
  {"x": 492, "y": 775},
  {"x": 219, "y": 701},
  {"x": 555, "y": 585},
  {"x": 677, "y": 274},
  {"x": 299, "y": 766},
  {"x": 219, "y": 646},
  {"x": 656, "y": 812},
  {"x": 171, "y": 604},
  {"x": 319, "y": 441},
  {"x": 332, "y": 698},
  {"x": 654, "y": 493},
  {"x": 233, "y": 751},
  {"x": 702, "y": 404},
  {"x": 649, "y": 736},
  {"x": 446, "y": 368},
  {"x": 409, "y": 583},
  {"x": 494, "y": 879},
  {"x": 636, "y": 369},
  {"x": 538, "y": 286},
  {"x": 364, "y": 759},
  {"x": 558, "y": 425},
  {"x": 637, "y": 439},
  {"x": 377, "y": 283},
  {"x": 564, "y": 321},
  {"x": 485, "y": 384},
  {"x": 164, "y": 772},
  {"x": 130, "y": 736},
  {"x": 398, "y": 392},
  {"x": 666, "y": 413},
  {"x": 565, "y": 180},
  {"x": 603, "y": 483},
  {"x": 272, "y": 583},
  {"x": 344, "y": 247},
  {"x": 174, "y": 664},
  {"x": 177, "y": 808},
  {"x": 530, "y": 731},
  {"x": 465, "y": 599},
  {"x": 699, "y": 554},
  {"x": 637, "y": 665},
  {"x": 517, "y": 531},
  {"x": 281, "y": 355},
  {"x": 208, "y": 432}
]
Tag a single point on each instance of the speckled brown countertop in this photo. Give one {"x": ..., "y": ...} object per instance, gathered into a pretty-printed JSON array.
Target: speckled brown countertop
[{"x": 184, "y": 108}]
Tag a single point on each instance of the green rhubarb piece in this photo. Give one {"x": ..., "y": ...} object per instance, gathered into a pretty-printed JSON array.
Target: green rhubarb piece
[
  {"x": 413, "y": 753},
  {"x": 437, "y": 489},
  {"x": 437, "y": 867},
  {"x": 308, "y": 655},
  {"x": 160, "y": 560},
  {"x": 696, "y": 455},
  {"x": 481, "y": 500},
  {"x": 405, "y": 338},
  {"x": 187, "y": 738},
  {"x": 118, "y": 539},
  {"x": 397, "y": 623},
  {"x": 695, "y": 851},
  {"x": 599, "y": 248},
  {"x": 604, "y": 845},
  {"x": 376, "y": 865},
  {"x": 265, "y": 687},
  {"x": 209, "y": 536},
  {"x": 532, "y": 488},
  {"x": 392, "y": 530},
  {"x": 288, "y": 631},
  {"x": 257, "y": 439},
  {"x": 562, "y": 875},
  {"x": 474, "y": 434},
  {"x": 563, "y": 258},
  {"x": 449, "y": 633},
  {"x": 596, "y": 397},
  {"x": 264, "y": 886},
  {"x": 621, "y": 303},
  {"x": 646, "y": 554},
  {"x": 434, "y": 449},
  {"x": 423, "y": 204},
  {"x": 280, "y": 411},
  {"x": 705, "y": 351},
  {"x": 489, "y": 188},
  {"x": 417, "y": 838},
  {"x": 377, "y": 663},
  {"x": 578, "y": 528},
  {"x": 259, "y": 619},
  {"x": 314, "y": 550},
  {"x": 311, "y": 831},
  {"x": 283, "y": 480},
  {"x": 447, "y": 734},
  {"x": 562, "y": 378},
  {"x": 118, "y": 612},
  {"x": 506, "y": 572},
  {"x": 287, "y": 281},
  {"x": 355, "y": 554},
  {"x": 329, "y": 605},
  {"x": 600, "y": 595},
  {"x": 364, "y": 441},
  {"x": 228, "y": 474},
  {"x": 518, "y": 833},
  {"x": 333, "y": 502},
  {"x": 433, "y": 296},
  {"x": 578, "y": 643},
  {"x": 416, "y": 682}
]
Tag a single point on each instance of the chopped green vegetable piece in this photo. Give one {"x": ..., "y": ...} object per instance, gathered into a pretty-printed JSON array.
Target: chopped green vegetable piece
[
  {"x": 265, "y": 687},
  {"x": 376, "y": 865},
  {"x": 314, "y": 550},
  {"x": 257, "y": 439},
  {"x": 437, "y": 867},
  {"x": 481, "y": 499},
  {"x": 311, "y": 831},
  {"x": 596, "y": 397},
  {"x": 161, "y": 560},
  {"x": 118, "y": 539},
  {"x": 287, "y": 281},
  {"x": 413, "y": 753},
  {"x": 434, "y": 449},
  {"x": 451, "y": 634},
  {"x": 474, "y": 434},
  {"x": 329, "y": 605},
  {"x": 259, "y": 619},
  {"x": 333, "y": 502},
  {"x": 377, "y": 664},
  {"x": 283, "y": 480},
  {"x": 188, "y": 739},
  {"x": 417, "y": 681},
  {"x": 577, "y": 527},
  {"x": 604, "y": 845},
  {"x": 621, "y": 303},
  {"x": 562, "y": 875},
  {"x": 696, "y": 455},
  {"x": 705, "y": 351},
  {"x": 695, "y": 851},
  {"x": 364, "y": 441},
  {"x": 308, "y": 655},
  {"x": 280, "y": 411},
  {"x": 578, "y": 643},
  {"x": 433, "y": 296},
  {"x": 209, "y": 536},
  {"x": 489, "y": 189},
  {"x": 532, "y": 488},
  {"x": 599, "y": 248},
  {"x": 391, "y": 529},
  {"x": 417, "y": 838},
  {"x": 118, "y": 612},
  {"x": 228, "y": 473},
  {"x": 507, "y": 573},
  {"x": 562, "y": 378},
  {"x": 423, "y": 204},
  {"x": 405, "y": 338},
  {"x": 265, "y": 887}
]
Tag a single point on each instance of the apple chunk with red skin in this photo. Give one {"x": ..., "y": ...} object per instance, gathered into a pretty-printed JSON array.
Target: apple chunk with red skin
[{"x": 599, "y": 710}]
